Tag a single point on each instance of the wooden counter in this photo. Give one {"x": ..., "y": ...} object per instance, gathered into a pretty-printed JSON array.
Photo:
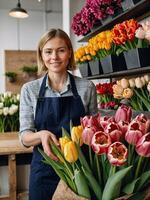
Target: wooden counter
[{"x": 10, "y": 146}]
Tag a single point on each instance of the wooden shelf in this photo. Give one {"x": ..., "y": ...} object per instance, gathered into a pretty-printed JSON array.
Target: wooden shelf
[
  {"x": 137, "y": 11},
  {"x": 129, "y": 72}
]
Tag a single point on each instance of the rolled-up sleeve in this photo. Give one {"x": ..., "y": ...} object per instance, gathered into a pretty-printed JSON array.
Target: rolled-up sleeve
[{"x": 26, "y": 115}]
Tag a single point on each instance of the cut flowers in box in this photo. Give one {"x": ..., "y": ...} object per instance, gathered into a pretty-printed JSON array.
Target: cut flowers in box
[
  {"x": 135, "y": 92},
  {"x": 121, "y": 38},
  {"x": 105, "y": 158},
  {"x": 105, "y": 98}
]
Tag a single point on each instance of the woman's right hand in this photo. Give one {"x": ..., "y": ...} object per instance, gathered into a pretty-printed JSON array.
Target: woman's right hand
[{"x": 46, "y": 137}]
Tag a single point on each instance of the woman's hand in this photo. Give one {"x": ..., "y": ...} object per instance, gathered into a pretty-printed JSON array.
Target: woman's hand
[{"x": 46, "y": 137}]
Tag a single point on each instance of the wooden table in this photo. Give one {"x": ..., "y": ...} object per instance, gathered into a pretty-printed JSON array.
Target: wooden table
[{"x": 10, "y": 146}]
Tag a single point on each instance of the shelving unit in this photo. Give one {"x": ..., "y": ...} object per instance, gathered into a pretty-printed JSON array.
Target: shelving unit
[
  {"x": 129, "y": 72},
  {"x": 138, "y": 11}
]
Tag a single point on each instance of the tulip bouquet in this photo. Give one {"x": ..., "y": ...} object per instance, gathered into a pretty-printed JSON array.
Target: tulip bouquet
[
  {"x": 105, "y": 158},
  {"x": 9, "y": 112},
  {"x": 105, "y": 97},
  {"x": 136, "y": 92},
  {"x": 130, "y": 35}
]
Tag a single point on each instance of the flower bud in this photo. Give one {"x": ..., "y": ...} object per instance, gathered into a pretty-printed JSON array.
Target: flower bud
[
  {"x": 123, "y": 113},
  {"x": 132, "y": 82},
  {"x": 87, "y": 135},
  {"x": 76, "y": 134},
  {"x": 143, "y": 145},
  {"x": 124, "y": 83},
  {"x": 63, "y": 141},
  {"x": 138, "y": 82},
  {"x": 117, "y": 154},
  {"x": 147, "y": 78},
  {"x": 70, "y": 152},
  {"x": 140, "y": 33}
]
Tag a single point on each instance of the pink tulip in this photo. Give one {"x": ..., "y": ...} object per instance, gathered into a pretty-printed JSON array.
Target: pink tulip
[
  {"x": 123, "y": 113},
  {"x": 117, "y": 154},
  {"x": 105, "y": 120},
  {"x": 90, "y": 121},
  {"x": 123, "y": 127},
  {"x": 100, "y": 142},
  {"x": 133, "y": 133},
  {"x": 87, "y": 135},
  {"x": 114, "y": 131},
  {"x": 143, "y": 145},
  {"x": 144, "y": 122}
]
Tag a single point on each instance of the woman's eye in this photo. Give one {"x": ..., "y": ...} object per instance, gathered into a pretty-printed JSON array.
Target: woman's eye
[
  {"x": 61, "y": 50},
  {"x": 48, "y": 52}
]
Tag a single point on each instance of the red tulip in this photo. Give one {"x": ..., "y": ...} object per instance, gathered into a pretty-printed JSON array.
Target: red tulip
[
  {"x": 114, "y": 131},
  {"x": 143, "y": 145},
  {"x": 123, "y": 113},
  {"x": 117, "y": 154},
  {"x": 133, "y": 133},
  {"x": 100, "y": 142},
  {"x": 87, "y": 135}
]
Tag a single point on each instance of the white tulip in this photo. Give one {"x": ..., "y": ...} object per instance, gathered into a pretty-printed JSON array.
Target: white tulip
[
  {"x": 5, "y": 111},
  {"x": 147, "y": 78},
  {"x": 1, "y": 105}
]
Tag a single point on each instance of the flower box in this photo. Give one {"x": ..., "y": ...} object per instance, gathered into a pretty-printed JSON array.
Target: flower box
[
  {"x": 95, "y": 67},
  {"x": 106, "y": 64},
  {"x": 136, "y": 58}
]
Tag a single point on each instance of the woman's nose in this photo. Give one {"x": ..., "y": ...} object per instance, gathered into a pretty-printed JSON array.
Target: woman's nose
[{"x": 54, "y": 55}]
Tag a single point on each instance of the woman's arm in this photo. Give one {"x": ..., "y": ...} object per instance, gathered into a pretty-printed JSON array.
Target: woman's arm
[{"x": 32, "y": 139}]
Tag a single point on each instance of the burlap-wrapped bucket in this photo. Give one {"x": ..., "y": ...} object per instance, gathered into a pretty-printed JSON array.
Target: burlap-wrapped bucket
[{"x": 63, "y": 192}]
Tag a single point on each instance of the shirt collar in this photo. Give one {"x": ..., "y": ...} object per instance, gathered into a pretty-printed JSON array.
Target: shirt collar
[{"x": 68, "y": 84}]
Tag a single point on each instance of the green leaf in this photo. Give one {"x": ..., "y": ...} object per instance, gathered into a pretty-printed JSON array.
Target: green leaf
[
  {"x": 81, "y": 184},
  {"x": 65, "y": 133},
  {"x": 143, "y": 179},
  {"x": 82, "y": 159},
  {"x": 93, "y": 183},
  {"x": 129, "y": 188},
  {"x": 137, "y": 196},
  {"x": 112, "y": 182}
]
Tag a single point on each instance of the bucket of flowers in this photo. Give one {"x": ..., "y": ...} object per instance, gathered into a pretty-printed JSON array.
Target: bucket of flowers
[
  {"x": 9, "y": 112},
  {"x": 116, "y": 163}
]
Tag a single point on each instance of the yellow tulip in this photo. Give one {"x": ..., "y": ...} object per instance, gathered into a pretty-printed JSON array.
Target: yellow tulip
[
  {"x": 138, "y": 82},
  {"x": 70, "y": 152},
  {"x": 63, "y": 141},
  {"x": 132, "y": 82},
  {"x": 76, "y": 134},
  {"x": 127, "y": 93}
]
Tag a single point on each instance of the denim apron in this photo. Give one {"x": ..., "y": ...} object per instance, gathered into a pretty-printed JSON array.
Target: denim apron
[{"x": 52, "y": 113}]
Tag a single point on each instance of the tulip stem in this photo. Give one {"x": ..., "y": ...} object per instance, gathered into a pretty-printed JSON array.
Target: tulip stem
[
  {"x": 90, "y": 156},
  {"x": 138, "y": 167},
  {"x": 98, "y": 169}
]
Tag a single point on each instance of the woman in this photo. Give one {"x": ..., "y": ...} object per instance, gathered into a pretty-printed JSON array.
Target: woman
[{"x": 48, "y": 104}]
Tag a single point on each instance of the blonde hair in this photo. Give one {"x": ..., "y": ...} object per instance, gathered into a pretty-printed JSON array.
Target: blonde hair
[{"x": 52, "y": 33}]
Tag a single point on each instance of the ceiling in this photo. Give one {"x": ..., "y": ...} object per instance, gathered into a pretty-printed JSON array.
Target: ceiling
[{"x": 33, "y": 5}]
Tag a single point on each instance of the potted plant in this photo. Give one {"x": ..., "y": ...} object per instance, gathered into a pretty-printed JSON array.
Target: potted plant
[
  {"x": 11, "y": 76},
  {"x": 29, "y": 72}
]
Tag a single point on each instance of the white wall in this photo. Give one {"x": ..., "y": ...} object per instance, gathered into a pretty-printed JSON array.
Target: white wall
[{"x": 23, "y": 34}]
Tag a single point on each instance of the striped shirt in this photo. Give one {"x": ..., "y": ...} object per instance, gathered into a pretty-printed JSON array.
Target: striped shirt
[{"x": 30, "y": 92}]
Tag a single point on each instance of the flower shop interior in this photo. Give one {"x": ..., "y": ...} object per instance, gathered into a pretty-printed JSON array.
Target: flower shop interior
[{"x": 111, "y": 42}]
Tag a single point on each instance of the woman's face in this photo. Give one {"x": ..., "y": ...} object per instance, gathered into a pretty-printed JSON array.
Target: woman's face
[{"x": 56, "y": 55}]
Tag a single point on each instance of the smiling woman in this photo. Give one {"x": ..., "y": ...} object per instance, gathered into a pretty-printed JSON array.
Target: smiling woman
[{"x": 48, "y": 104}]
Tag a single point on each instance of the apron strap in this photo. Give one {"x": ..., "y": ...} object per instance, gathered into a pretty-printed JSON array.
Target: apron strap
[
  {"x": 42, "y": 88},
  {"x": 73, "y": 86},
  {"x": 72, "y": 82}
]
